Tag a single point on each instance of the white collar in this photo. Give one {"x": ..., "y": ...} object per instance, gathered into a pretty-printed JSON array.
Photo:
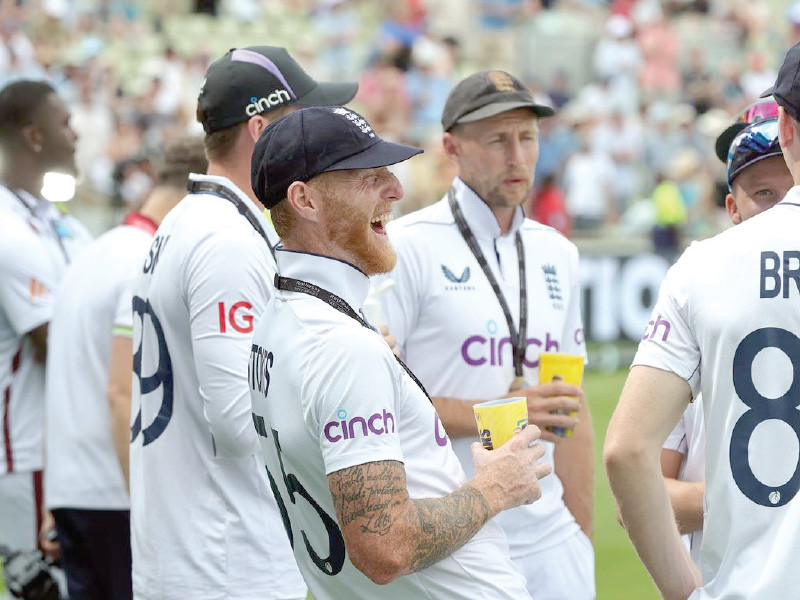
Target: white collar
[
  {"x": 479, "y": 216},
  {"x": 331, "y": 274},
  {"x": 227, "y": 183}
]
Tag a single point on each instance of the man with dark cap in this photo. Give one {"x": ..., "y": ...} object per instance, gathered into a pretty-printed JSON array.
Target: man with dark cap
[
  {"x": 371, "y": 492},
  {"x": 480, "y": 291},
  {"x": 204, "y": 523},
  {"x": 728, "y": 323}
]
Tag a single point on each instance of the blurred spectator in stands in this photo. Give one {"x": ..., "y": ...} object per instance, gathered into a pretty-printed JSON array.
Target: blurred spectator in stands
[
  {"x": 397, "y": 32},
  {"x": 731, "y": 94},
  {"x": 700, "y": 88},
  {"x": 622, "y": 7},
  {"x": 793, "y": 19},
  {"x": 559, "y": 91},
  {"x": 338, "y": 27},
  {"x": 758, "y": 75},
  {"x": 383, "y": 97},
  {"x": 686, "y": 170},
  {"x": 167, "y": 73},
  {"x": 428, "y": 82},
  {"x": 622, "y": 139},
  {"x": 429, "y": 177},
  {"x": 91, "y": 112},
  {"x": 670, "y": 218},
  {"x": 133, "y": 180},
  {"x": 588, "y": 177},
  {"x": 548, "y": 206},
  {"x": 556, "y": 142},
  {"x": 661, "y": 45},
  {"x": 498, "y": 22},
  {"x": 618, "y": 59}
]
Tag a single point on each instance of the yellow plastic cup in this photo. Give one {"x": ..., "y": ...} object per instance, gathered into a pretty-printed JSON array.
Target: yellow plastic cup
[
  {"x": 561, "y": 367},
  {"x": 498, "y": 420}
]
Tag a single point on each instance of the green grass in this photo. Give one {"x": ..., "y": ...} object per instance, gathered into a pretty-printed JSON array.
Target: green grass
[{"x": 620, "y": 574}]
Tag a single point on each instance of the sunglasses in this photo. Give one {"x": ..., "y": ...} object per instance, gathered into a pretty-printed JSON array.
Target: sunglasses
[
  {"x": 758, "y": 141},
  {"x": 760, "y": 111}
]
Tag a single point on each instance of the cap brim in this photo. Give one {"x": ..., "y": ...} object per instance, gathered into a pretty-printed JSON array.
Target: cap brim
[
  {"x": 329, "y": 94},
  {"x": 381, "y": 154},
  {"x": 768, "y": 92},
  {"x": 725, "y": 138},
  {"x": 496, "y": 108}
]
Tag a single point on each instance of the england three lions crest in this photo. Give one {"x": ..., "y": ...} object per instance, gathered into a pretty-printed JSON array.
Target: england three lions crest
[{"x": 553, "y": 286}]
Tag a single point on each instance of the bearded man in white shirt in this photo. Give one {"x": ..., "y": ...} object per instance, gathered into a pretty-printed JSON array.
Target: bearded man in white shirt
[
  {"x": 479, "y": 292},
  {"x": 371, "y": 492}
]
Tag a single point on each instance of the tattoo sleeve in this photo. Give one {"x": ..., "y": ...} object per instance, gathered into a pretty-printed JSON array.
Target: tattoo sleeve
[{"x": 373, "y": 505}]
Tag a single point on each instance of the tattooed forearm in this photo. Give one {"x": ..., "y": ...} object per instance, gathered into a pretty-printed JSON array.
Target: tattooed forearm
[
  {"x": 368, "y": 494},
  {"x": 372, "y": 500},
  {"x": 446, "y": 524}
]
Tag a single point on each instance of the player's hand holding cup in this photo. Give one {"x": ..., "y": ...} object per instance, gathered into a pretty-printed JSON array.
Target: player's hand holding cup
[
  {"x": 506, "y": 464},
  {"x": 566, "y": 368}
]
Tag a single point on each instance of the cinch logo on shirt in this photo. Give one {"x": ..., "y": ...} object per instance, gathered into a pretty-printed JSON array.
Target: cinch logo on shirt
[
  {"x": 345, "y": 428},
  {"x": 259, "y": 105},
  {"x": 479, "y": 350},
  {"x": 655, "y": 327}
]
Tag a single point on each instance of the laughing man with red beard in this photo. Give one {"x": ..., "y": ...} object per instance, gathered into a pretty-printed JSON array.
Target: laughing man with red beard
[{"x": 372, "y": 495}]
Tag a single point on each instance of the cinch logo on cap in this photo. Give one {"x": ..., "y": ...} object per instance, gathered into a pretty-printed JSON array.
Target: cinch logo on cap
[
  {"x": 345, "y": 428},
  {"x": 502, "y": 81},
  {"x": 259, "y": 105},
  {"x": 355, "y": 120}
]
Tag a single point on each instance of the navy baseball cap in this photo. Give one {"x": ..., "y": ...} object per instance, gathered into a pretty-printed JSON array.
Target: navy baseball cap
[
  {"x": 787, "y": 85},
  {"x": 486, "y": 94},
  {"x": 752, "y": 144},
  {"x": 303, "y": 144},
  {"x": 251, "y": 81}
]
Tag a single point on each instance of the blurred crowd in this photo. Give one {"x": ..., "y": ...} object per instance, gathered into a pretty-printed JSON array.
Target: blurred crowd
[{"x": 641, "y": 87}]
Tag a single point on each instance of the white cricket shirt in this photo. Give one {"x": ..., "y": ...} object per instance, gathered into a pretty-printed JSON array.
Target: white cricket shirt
[
  {"x": 36, "y": 243},
  {"x": 454, "y": 337},
  {"x": 727, "y": 321},
  {"x": 328, "y": 394},
  {"x": 689, "y": 438},
  {"x": 94, "y": 301},
  {"x": 204, "y": 524}
]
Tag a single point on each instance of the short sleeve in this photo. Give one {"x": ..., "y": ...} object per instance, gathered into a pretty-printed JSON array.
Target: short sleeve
[
  {"x": 28, "y": 276},
  {"x": 668, "y": 342},
  {"x": 355, "y": 411}
]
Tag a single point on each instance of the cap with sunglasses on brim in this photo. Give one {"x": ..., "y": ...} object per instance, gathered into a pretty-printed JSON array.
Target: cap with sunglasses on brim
[
  {"x": 752, "y": 144},
  {"x": 316, "y": 140},
  {"x": 486, "y": 94},
  {"x": 251, "y": 81},
  {"x": 758, "y": 111},
  {"x": 786, "y": 90}
]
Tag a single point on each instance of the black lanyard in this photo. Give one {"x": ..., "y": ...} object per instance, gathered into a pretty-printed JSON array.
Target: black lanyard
[
  {"x": 331, "y": 299},
  {"x": 209, "y": 187},
  {"x": 52, "y": 222},
  {"x": 519, "y": 339}
]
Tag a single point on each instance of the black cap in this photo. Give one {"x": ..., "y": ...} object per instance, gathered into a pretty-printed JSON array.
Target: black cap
[
  {"x": 787, "y": 86},
  {"x": 251, "y": 81},
  {"x": 314, "y": 140},
  {"x": 486, "y": 94}
]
